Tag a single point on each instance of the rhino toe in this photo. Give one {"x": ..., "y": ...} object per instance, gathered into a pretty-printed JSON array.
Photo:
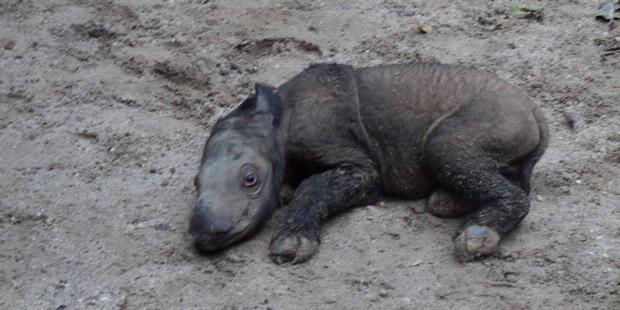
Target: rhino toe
[
  {"x": 295, "y": 248},
  {"x": 476, "y": 241}
]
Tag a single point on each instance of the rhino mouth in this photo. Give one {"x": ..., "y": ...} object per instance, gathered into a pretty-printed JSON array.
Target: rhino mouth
[
  {"x": 213, "y": 243},
  {"x": 207, "y": 242}
]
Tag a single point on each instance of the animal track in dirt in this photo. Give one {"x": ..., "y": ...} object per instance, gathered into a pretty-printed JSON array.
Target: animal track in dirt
[
  {"x": 182, "y": 73},
  {"x": 133, "y": 64},
  {"x": 274, "y": 46},
  {"x": 116, "y": 13},
  {"x": 21, "y": 218},
  {"x": 608, "y": 44},
  {"x": 92, "y": 29},
  {"x": 395, "y": 48},
  {"x": 610, "y": 50}
]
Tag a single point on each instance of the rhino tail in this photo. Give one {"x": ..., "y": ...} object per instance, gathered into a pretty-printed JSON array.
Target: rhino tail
[{"x": 530, "y": 160}]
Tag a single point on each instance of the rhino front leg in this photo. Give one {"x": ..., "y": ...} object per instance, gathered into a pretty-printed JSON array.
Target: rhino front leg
[{"x": 315, "y": 199}]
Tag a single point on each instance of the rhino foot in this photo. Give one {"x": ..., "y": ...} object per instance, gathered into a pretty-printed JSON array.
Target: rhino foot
[
  {"x": 444, "y": 204},
  {"x": 295, "y": 248},
  {"x": 476, "y": 241}
]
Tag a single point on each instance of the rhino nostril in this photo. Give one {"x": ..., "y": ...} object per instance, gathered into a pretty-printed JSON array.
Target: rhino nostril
[{"x": 220, "y": 226}]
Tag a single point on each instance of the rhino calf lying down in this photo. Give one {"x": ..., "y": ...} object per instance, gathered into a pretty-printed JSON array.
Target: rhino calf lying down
[{"x": 343, "y": 136}]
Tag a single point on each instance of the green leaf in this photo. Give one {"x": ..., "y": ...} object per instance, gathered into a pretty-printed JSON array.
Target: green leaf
[
  {"x": 519, "y": 11},
  {"x": 608, "y": 10}
]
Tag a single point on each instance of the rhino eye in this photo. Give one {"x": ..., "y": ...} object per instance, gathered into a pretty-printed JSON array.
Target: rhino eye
[
  {"x": 249, "y": 176},
  {"x": 250, "y": 180}
]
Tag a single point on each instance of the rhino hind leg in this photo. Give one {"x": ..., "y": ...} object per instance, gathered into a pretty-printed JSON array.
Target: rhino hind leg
[
  {"x": 475, "y": 176},
  {"x": 443, "y": 203}
]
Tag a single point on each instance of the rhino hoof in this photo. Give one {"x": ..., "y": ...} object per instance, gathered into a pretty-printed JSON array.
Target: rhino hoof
[
  {"x": 295, "y": 248},
  {"x": 476, "y": 241}
]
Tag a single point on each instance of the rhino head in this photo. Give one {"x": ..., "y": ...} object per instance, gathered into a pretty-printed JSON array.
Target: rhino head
[{"x": 241, "y": 172}]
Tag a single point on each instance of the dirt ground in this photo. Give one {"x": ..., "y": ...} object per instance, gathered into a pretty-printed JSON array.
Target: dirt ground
[{"x": 105, "y": 106}]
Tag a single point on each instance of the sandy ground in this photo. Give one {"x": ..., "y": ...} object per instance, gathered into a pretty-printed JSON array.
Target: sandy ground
[{"x": 105, "y": 106}]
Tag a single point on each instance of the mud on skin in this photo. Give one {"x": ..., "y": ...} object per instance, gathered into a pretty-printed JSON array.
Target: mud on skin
[{"x": 349, "y": 135}]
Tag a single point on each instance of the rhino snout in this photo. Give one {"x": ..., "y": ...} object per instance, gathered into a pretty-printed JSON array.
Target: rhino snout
[{"x": 206, "y": 220}]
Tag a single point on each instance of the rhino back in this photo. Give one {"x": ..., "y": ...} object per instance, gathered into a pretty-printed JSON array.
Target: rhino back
[{"x": 402, "y": 104}]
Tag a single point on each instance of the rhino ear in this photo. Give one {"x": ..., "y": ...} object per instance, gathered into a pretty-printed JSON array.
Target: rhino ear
[{"x": 269, "y": 102}]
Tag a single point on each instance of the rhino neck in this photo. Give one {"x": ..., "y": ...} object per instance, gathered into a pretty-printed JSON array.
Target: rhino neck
[{"x": 287, "y": 109}]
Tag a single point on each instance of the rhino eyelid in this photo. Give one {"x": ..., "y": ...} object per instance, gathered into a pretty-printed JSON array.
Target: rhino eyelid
[{"x": 254, "y": 193}]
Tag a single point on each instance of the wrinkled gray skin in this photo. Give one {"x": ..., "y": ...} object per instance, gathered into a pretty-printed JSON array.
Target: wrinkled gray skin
[{"x": 345, "y": 136}]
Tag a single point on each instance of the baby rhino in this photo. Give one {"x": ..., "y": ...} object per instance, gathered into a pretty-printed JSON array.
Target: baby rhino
[{"x": 343, "y": 136}]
